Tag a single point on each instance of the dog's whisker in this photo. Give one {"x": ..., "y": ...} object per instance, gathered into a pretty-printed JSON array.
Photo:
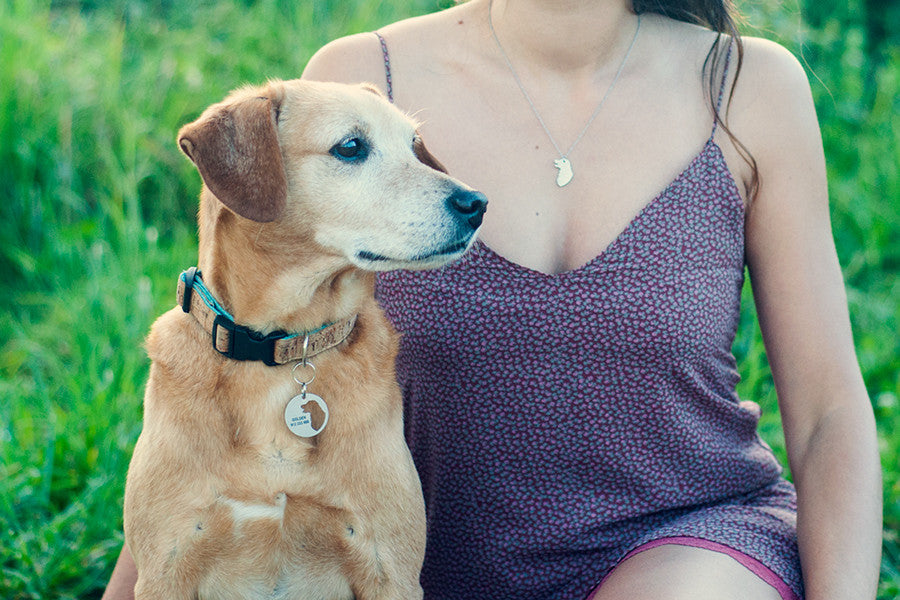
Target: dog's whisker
[
  {"x": 259, "y": 233},
  {"x": 414, "y": 116}
]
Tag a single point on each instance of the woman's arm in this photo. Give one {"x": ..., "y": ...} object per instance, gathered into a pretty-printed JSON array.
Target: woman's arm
[
  {"x": 827, "y": 416},
  {"x": 124, "y": 576}
]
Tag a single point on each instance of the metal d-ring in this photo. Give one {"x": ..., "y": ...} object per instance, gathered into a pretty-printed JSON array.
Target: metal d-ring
[
  {"x": 305, "y": 348},
  {"x": 304, "y": 384}
]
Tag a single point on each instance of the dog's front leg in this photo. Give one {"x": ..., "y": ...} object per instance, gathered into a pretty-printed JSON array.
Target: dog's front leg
[
  {"x": 386, "y": 572},
  {"x": 172, "y": 575},
  {"x": 162, "y": 589},
  {"x": 388, "y": 590}
]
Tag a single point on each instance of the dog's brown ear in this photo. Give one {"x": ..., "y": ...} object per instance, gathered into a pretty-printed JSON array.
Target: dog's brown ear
[
  {"x": 235, "y": 148},
  {"x": 425, "y": 156}
]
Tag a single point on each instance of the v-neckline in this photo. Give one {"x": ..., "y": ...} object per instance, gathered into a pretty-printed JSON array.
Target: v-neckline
[{"x": 618, "y": 240}]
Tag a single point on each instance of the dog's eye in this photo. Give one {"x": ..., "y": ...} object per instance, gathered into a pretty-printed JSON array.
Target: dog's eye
[{"x": 352, "y": 149}]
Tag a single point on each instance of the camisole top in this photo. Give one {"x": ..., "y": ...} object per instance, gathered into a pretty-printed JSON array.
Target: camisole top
[{"x": 549, "y": 413}]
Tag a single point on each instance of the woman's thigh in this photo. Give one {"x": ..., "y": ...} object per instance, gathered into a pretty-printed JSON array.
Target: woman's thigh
[{"x": 674, "y": 572}]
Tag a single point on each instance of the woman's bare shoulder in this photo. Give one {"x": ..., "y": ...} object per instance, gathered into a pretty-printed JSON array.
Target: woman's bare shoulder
[
  {"x": 765, "y": 59},
  {"x": 359, "y": 58},
  {"x": 352, "y": 59},
  {"x": 772, "y": 99}
]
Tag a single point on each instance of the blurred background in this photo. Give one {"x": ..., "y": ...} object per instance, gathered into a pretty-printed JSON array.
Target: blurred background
[{"x": 97, "y": 218}]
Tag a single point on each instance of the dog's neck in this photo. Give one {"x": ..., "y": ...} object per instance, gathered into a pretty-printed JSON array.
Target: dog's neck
[{"x": 268, "y": 291}]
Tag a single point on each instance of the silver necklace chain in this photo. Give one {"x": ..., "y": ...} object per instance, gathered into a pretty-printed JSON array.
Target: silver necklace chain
[{"x": 563, "y": 164}]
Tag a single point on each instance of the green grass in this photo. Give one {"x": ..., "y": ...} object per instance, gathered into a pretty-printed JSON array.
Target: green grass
[{"x": 97, "y": 217}]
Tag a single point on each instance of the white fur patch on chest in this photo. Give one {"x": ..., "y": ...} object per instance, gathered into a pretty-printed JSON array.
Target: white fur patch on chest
[{"x": 247, "y": 511}]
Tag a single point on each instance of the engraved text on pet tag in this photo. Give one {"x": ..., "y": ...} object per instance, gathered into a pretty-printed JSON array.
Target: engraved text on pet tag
[{"x": 306, "y": 415}]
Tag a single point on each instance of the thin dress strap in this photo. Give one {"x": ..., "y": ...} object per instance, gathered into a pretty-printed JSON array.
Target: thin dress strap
[
  {"x": 387, "y": 67},
  {"x": 718, "y": 116}
]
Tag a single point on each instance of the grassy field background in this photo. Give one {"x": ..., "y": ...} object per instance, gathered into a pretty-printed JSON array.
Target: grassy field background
[{"x": 97, "y": 218}]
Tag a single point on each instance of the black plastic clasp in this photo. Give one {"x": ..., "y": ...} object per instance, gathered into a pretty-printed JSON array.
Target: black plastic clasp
[
  {"x": 189, "y": 277},
  {"x": 244, "y": 343}
]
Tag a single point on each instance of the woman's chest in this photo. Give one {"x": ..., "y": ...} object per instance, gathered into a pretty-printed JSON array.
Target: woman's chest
[{"x": 615, "y": 171}]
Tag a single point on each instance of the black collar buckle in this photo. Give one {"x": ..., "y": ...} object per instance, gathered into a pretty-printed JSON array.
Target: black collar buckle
[{"x": 244, "y": 343}]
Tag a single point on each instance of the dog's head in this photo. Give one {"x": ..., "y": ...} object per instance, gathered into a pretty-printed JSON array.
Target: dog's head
[{"x": 335, "y": 164}]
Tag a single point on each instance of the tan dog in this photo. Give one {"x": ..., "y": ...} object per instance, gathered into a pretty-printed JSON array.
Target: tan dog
[{"x": 251, "y": 480}]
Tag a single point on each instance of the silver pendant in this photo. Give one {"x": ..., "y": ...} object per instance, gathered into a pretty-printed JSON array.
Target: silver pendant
[
  {"x": 565, "y": 171},
  {"x": 306, "y": 415}
]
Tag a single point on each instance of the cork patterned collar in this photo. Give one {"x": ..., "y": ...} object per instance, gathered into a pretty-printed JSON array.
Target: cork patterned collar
[{"x": 241, "y": 343}]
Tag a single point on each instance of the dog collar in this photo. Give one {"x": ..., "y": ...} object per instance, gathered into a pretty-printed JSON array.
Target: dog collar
[{"x": 242, "y": 343}]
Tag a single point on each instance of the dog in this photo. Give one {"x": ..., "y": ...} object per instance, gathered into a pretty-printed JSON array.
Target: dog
[{"x": 272, "y": 461}]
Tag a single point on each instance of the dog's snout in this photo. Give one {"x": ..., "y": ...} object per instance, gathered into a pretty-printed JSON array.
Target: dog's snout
[{"x": 468, "y": 204}]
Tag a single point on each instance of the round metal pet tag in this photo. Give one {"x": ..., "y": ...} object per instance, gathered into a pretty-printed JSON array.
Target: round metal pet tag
[{"x": 306, "y": 415}]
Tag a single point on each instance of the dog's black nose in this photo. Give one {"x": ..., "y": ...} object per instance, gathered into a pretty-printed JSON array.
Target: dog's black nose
[{"x": 469, "y": 204}]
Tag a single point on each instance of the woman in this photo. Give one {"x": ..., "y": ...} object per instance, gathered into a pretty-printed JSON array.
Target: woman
[{"x": 570, "y": 385}]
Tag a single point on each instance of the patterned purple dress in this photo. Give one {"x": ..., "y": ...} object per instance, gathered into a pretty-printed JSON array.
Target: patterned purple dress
[{"x": 561, "y": 422}]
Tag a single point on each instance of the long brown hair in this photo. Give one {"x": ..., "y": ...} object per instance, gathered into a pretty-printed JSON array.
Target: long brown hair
[{"x": 720, "y": 16}]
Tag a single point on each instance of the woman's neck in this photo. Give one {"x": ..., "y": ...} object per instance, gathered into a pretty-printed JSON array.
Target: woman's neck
[{"x": 573, "y": 37}]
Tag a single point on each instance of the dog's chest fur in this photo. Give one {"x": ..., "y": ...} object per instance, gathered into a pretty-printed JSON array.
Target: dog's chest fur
[
  {"x": 259, "y": 511},
  {"x": 278, "y": 528}
]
